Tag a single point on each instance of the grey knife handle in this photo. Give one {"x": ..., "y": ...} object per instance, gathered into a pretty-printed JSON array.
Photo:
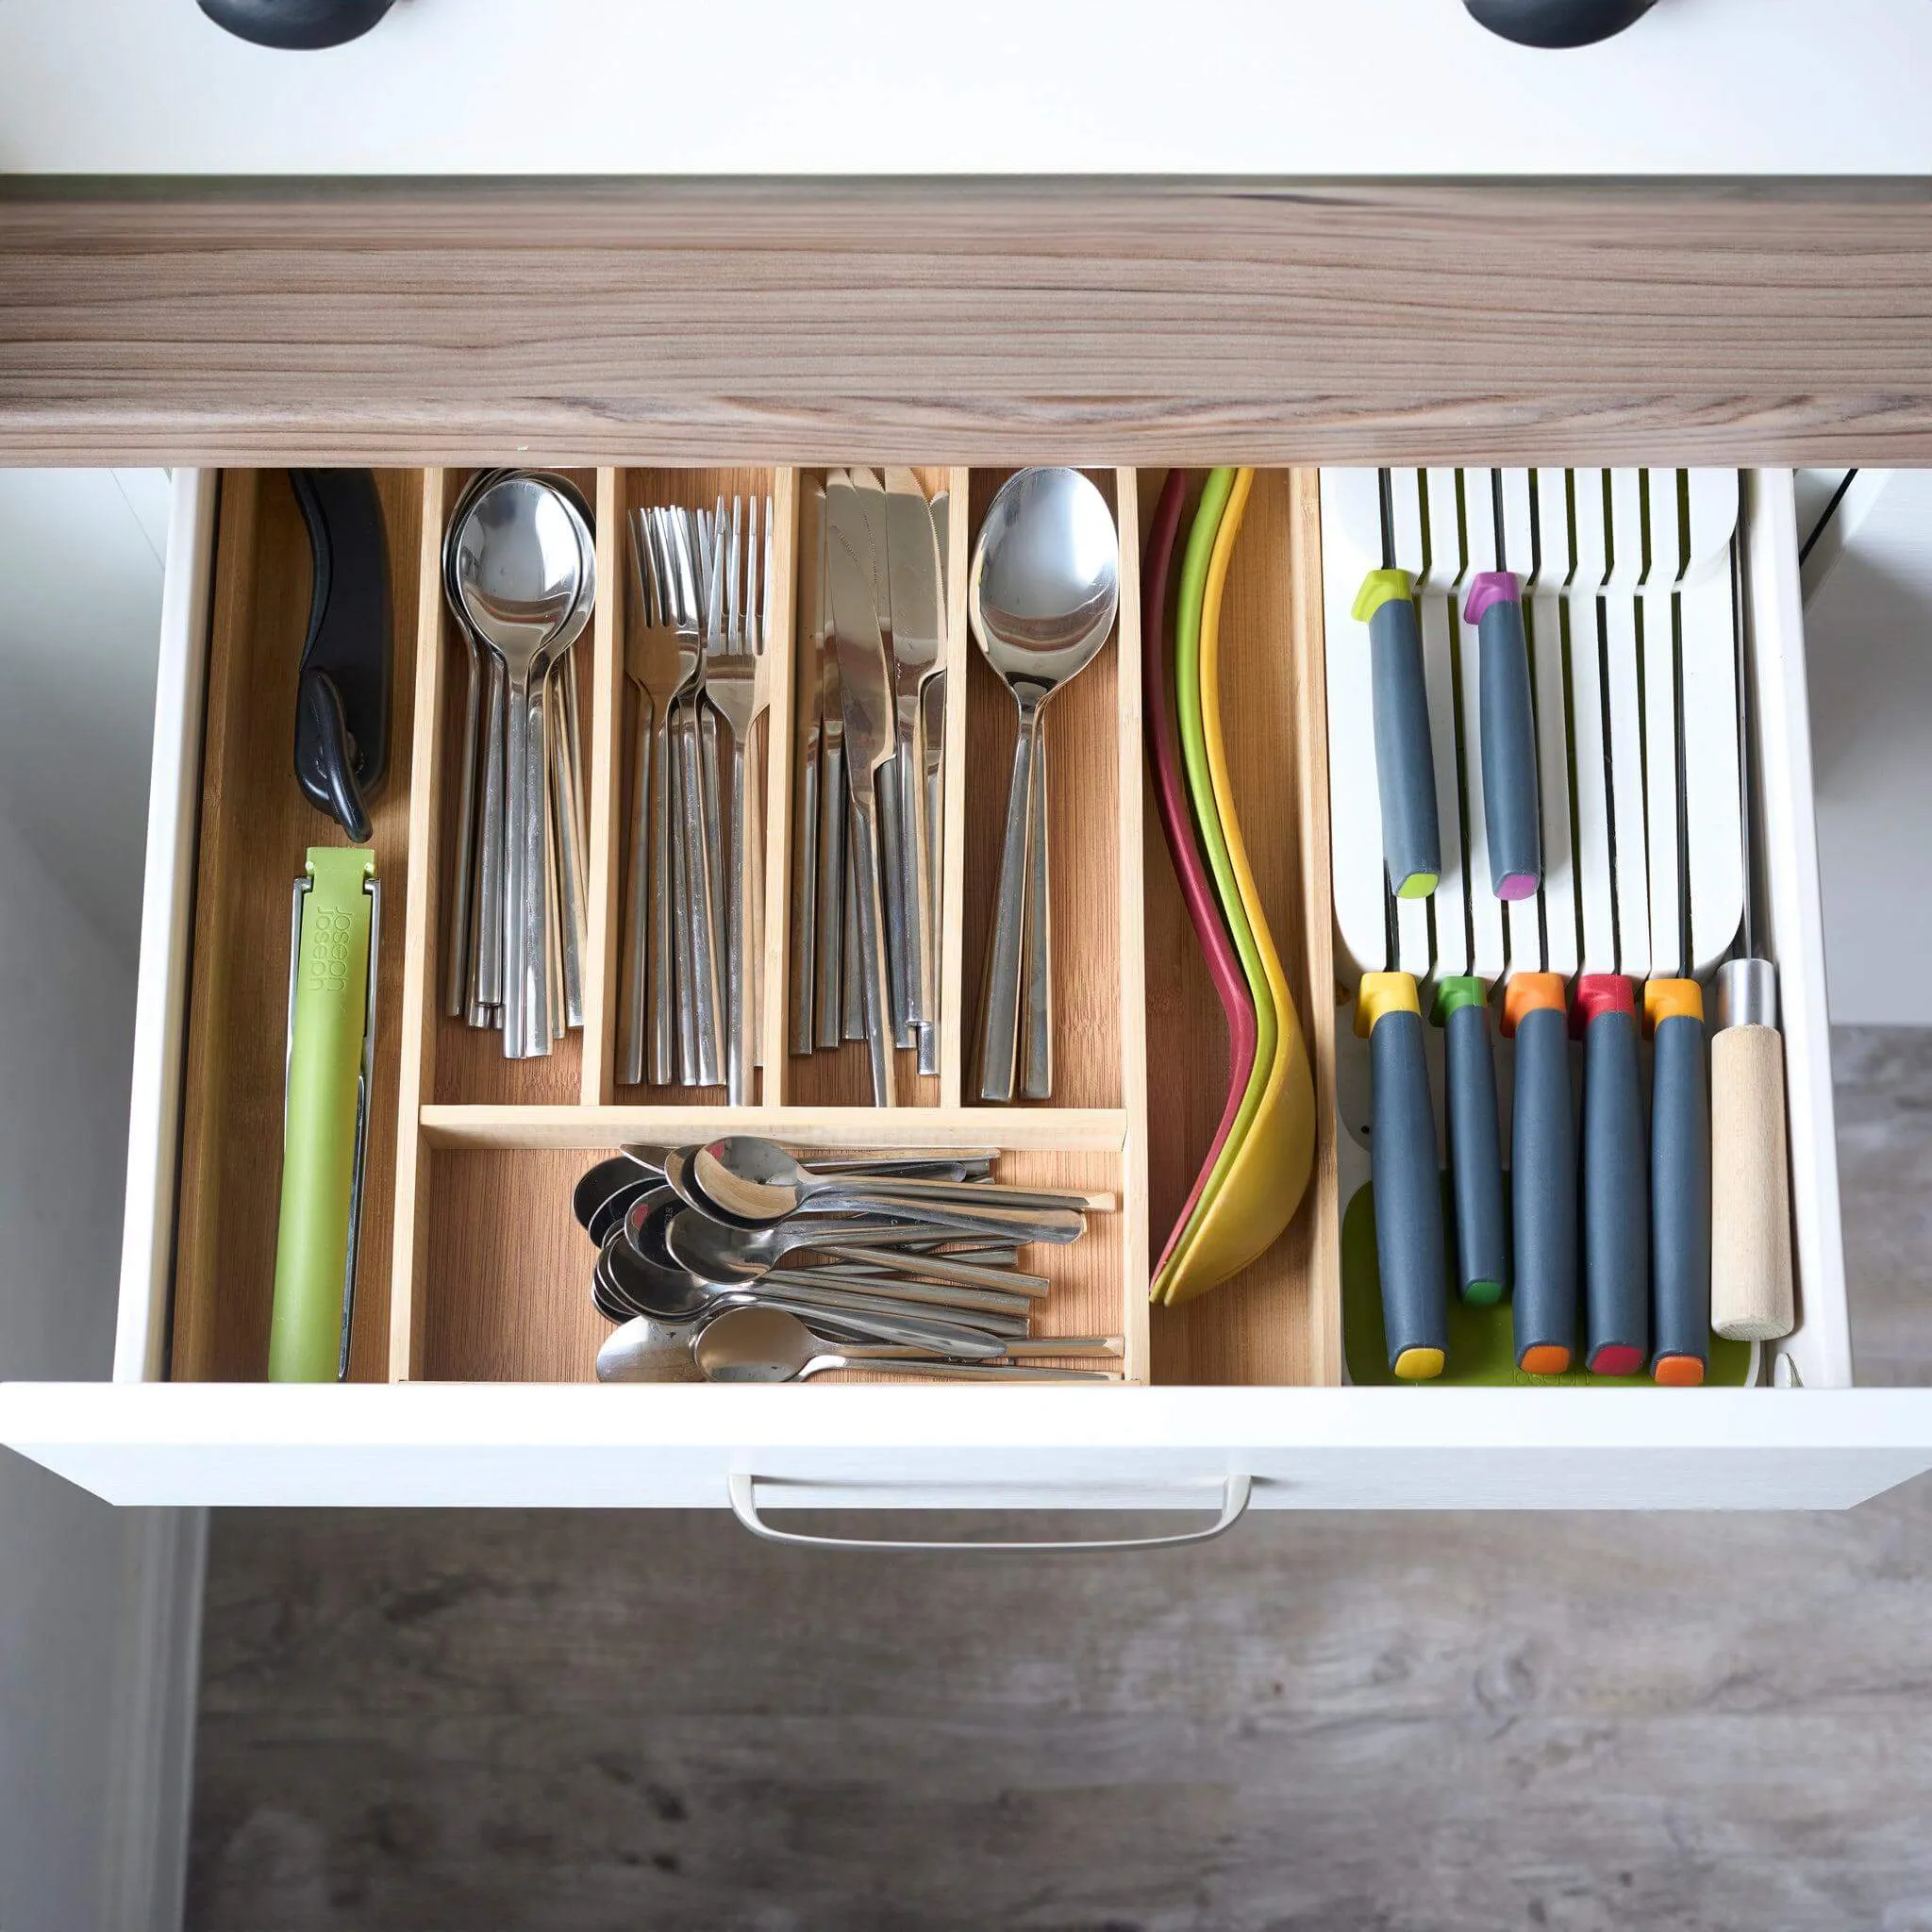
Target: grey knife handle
[
  {"x": 827, "y": 990},
  {"x": 853, "y": 991},
  {"x": 1615, "y": 1199},
  {"x": 1409, "y": 1191},
  {"x": 1680, "y": 1190},
  {"x": 1405, "y": 761},
  {"x": 1542, "y": 1194},
  {"x": 1000, "y": 1039},
  {"x": 1476, "y": 1157},
  {"x": 1509, "y": 752}
]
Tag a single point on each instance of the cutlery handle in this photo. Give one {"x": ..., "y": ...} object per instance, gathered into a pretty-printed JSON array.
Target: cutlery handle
[
  {"x": 680, "y": 981},
  {"x": 740, "y": 1049},
  {"x": 1751, "y": 1292},
  {"x": 1475, "y": 1142},
  {"x": 1019, "y": 1224},
  {"x": 872, "y": 939},
  {"x": 637, "y": 908},
  {"x": 1408, "y": 1186},
  {"x": 1615, "y": 1192},
  {"x": 1509, "y": 736},
  {"x": 527, "y": 969},
  {"x": 827, "y": 988},
  {"x": 887, "y": 796},
  {"x": 805, "y": 893},
  {"x": 570, "y": 852},
  {"x": 1679, "y": 1182},
  {"x": 944, "y": 1268},
  {"x": 486, "y": 922},
  {"x": 456, "y": 1001},
  {"x": 910, "y": 767},
  {"x": 1542, "y": 1172},
  {"x": 853, "y": 991},
  {"x": 699, "y": 918},
  {"x": 970, "y": 1372},
  {"x": 1405, "y": 763},
  {"x": 714, "y": 906},
  {"x": 829, "y": 1312},
  {"x": 888, "y": 1292},
  {"x": 999, "y": 1040},
  {"x": 1036, "y": 1002},
  {"x": 932, "y": 716}
]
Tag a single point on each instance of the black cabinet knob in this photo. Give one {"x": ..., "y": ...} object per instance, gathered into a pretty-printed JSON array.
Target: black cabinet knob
[
  {"x": 1555, "y": 23},
  {"x": 296, "y": 22}
]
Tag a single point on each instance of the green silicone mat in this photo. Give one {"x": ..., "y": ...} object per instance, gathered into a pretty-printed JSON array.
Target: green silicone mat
[{"x": 1482, "y": 1350}]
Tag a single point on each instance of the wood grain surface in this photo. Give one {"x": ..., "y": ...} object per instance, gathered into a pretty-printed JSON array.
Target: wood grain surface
[
  {"x": 256, "y": 829},
  {"x": 997, "y": 322}
]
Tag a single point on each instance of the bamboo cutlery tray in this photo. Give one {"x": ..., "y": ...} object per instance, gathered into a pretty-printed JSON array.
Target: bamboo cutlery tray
[{"x": 471, "y": 1266}]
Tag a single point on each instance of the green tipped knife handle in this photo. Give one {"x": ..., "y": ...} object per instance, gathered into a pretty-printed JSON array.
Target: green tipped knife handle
[
  {"x": 1475, "y": 1142},
  {"x": 329, "y": 1018},
  {"x": 1405, "y": 760}
]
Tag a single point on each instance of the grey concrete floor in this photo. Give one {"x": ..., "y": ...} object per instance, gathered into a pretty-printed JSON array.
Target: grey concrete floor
[{"x": 1370, "y": 1723}]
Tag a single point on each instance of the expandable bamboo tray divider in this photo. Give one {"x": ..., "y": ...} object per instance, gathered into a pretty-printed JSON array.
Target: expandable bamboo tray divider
[{"x": 472, "y": 1266}]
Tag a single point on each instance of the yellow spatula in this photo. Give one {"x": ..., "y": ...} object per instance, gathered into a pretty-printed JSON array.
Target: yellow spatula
[{"x": 1265, "y": 1165}]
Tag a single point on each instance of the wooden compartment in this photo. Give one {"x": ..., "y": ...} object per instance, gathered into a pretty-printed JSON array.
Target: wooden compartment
[
  {"x": 467, "y": 1217},
  {"x": 697, "y": 489},
  {"x": 470, "y": 1064},
  {"x": 1092, "y": 769},
  {"x": 842, "y": 1076},
  {"x": 256, "y": 827}
]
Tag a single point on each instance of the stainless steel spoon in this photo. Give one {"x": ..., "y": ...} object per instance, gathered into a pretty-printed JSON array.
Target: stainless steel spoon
[
  {"x": 767, "y": 1345},
  {"x": 1041, "y": 596},
  {"x": 518, "y": 570},
  {"x": 755, "y": 1183}
]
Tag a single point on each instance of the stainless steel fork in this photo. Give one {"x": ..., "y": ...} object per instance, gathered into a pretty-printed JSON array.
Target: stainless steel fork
[{"x": 730, "y": 682}]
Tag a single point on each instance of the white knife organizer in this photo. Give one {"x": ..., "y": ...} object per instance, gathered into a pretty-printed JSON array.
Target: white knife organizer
[{"x": 1628, "y": 582}]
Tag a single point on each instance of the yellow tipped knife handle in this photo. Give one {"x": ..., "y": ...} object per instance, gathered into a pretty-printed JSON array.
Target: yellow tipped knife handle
[
  {"x": 329, "y": 1016},
  {"x": 1405, "y": 760},
  {"x": 1409, "y": 1252}
]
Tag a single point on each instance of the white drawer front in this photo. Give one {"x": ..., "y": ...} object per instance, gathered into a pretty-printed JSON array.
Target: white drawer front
[{"x": 143, "y": 1440}]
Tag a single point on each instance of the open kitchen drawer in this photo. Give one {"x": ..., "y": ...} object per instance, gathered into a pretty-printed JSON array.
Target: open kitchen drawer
[{"x": 473, "y": 1334}]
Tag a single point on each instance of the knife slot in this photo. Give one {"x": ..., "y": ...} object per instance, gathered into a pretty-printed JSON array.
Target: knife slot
[{"x": 842, "y": 1075}]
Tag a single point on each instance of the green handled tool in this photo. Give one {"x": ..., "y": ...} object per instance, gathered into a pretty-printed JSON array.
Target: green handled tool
[{"x": 325, "y": 1121}]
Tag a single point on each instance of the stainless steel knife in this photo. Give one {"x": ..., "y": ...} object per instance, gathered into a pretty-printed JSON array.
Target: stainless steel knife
[
  {"x": 810, "y": 649},
  {"x": 912, "y": 556},
  {"x": 866, "y": 701}
]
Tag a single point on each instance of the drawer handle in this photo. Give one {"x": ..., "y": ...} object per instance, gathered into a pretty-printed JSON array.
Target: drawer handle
[{"x": 1235, "y": 1492}]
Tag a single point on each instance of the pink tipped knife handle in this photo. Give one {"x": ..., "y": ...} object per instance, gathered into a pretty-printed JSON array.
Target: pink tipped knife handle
[{"x": 1170, "y": 801}]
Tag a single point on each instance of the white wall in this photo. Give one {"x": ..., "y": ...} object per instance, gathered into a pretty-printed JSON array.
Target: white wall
[
  {"x": 77, "y": 1578},
  {"x": 878, "y": 87},
  {"x": 1869, "y": 630}
]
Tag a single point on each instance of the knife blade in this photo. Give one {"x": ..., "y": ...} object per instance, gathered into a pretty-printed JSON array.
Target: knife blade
[
  {"x": 932, "y": 737},
  {"x": 866, "y": 702},
  {"x": 912, "y": 559}
]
